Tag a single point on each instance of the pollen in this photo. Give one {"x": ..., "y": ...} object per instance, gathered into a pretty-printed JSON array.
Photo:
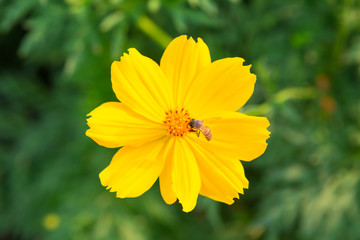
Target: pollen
[{"x": 177, "y": 122}]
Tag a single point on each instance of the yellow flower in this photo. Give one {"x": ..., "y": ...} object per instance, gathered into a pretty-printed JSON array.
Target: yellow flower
[
  {"x": 152, "y": 123},
  {"x": 51, "y": 221}
]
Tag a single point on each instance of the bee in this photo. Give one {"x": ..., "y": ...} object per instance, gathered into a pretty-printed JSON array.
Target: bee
[{"x": 198, "y": 126}]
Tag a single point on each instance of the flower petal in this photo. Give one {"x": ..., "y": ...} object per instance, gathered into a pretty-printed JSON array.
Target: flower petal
[
  {"x": 139, "y": 83},
  {"x": 222, "y": 178},
  {"x": 185, "y": 175},
  {"x": 181, "y": 62},
  {"x": 165, "y": 179},
  {"x": 224, "y": 85},
  {"x": 114, "y": 125},
  {"x": 133, "y": 170},
  {"x": 237, "y": 135}
]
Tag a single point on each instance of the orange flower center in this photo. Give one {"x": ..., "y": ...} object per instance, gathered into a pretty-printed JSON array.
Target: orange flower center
[{"x": 177, "y": 122}]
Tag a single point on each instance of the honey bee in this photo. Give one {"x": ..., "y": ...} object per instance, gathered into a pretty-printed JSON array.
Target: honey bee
[{"x": 198, "y": 126}]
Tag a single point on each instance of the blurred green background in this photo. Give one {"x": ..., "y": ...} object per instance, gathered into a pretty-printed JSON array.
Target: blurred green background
[{"x": 55, "y": 68}]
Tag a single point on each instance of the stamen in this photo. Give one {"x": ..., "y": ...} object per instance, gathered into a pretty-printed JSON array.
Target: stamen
[{"x": 177, "y": 122}]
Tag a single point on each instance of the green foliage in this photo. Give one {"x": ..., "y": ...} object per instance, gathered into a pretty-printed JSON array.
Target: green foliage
[{"x": 55, "y": 68}]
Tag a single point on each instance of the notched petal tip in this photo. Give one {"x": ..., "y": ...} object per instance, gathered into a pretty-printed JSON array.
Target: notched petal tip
[
  {"x": 267, "y": 123},
  {"x": 124, "y": 56},
  {"x": 247, "y": 68},
  {"x": 266, "y": 131},
  {"x": 87, "y": 133},
  {"x": 115, "y": 65},
  {"x": 235, "y": 61},
  {"x": 199, "y": 40},
  {"x": 246, "y": 184},
  {"x": 133, "y": 51},
  {"x": 190, "y": 38},
  {"x": 184, "y": 37},
  {"x": 179, "y": 38}
]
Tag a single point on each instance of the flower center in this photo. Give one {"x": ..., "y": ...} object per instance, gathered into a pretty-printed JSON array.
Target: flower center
[{"x": 177, "y": 122}]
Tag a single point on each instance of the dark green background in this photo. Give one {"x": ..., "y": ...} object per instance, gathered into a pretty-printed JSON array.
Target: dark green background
[{"x": 55, "y": 68}]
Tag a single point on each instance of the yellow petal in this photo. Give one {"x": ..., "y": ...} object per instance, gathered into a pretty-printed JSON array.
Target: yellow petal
[
  {"x": 139, "y": 83},
  {"x": 133, "y": 170},
  {"x": 165, "y": 180},
  {"x": 224, "y": 85},
  {"x": 222, "y": 178},
  {"x": 114, "y": 125},
  {"x": 181, "y": 62},
  {"x": 185, "y": 175},
  {"x": 237, "y": 135}
]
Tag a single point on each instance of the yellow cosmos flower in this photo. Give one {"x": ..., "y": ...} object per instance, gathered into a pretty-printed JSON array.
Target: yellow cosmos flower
[{"x": 152, "y": 122}]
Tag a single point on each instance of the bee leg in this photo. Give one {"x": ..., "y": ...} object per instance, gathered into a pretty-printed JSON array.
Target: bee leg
[{"x": 198, "y": 133}]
